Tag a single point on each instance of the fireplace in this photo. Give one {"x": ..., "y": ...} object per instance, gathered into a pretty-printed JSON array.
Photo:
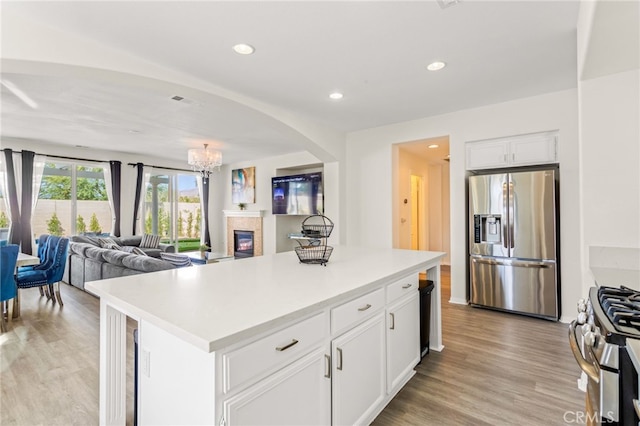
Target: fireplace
[
  {"x": 242, "y": 243},
  {"x": 243, "y": 220}
]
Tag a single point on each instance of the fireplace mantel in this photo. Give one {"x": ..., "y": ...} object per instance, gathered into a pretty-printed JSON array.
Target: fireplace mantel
[{"x": 243, "y": 213}]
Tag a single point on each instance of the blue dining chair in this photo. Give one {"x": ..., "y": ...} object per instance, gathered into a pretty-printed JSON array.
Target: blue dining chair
[
  {"x": 44, "y": 243},
  {"x": 8, "y": 289},
  {"x": 45, "y": 277}
]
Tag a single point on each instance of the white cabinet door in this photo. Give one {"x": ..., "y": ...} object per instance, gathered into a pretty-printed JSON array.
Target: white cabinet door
[
  {"x": 299, "y": 394},
  {"x": 523, "y": 150},
  {"x": 486, "y": 155},
  {"x": 403, "y": 340},
  {"x": 534, "y": 149},
  {"x": 358, "y": 372}
]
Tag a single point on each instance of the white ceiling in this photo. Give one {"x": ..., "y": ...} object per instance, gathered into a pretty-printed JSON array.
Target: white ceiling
[{"x": 375, "y": 52}]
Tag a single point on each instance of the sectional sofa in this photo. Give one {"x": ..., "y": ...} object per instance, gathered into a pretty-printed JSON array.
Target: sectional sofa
[{"x": 90, "y": 261}]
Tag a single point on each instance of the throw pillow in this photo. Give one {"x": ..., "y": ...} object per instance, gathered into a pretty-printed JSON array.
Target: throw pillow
[
  {"x": 108, "y": 243},
  {"x": 150, "y": 241},
  {"x": 133, "y": 250},
  {"x": 179, "y": 260}
]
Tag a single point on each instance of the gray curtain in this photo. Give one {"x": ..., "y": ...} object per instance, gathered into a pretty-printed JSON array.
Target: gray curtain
[
  {"x": 14, "y": 206},
  {"x": 136, "y": 204},
  {"x": 205, "y": 209},
  {"x": 116, "y": 178},
  {"x": 26, "y": 202}
]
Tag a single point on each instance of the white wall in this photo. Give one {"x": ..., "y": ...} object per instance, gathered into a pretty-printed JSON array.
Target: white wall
[
  {"x": 275, "y": 228},
  {"x": 370, "y": 181},
  {"x": 609, "y": 120}
]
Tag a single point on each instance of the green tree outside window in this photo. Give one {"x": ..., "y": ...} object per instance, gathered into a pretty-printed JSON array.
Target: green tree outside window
[
  {"x": 94, "y": 226},
  {"x": 80, "y": 225},
  {"x": 54, "y": 226}
]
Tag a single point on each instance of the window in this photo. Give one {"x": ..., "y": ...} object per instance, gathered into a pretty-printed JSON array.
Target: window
[
  {"x": 172, "y": 209},
  {"x": 72, "y": 200}
]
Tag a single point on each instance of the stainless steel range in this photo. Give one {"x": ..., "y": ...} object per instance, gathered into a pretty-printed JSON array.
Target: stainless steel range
[{"x": 598, "y": 340}]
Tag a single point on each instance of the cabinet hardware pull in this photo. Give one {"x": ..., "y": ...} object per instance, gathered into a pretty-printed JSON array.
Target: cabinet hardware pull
[
  {"x": 365, "y": 307},
  {"x": 285, "y": 347},
  {"x": 327, "y": 366},
  {"x": 339, "y": 366},
  {"x": 393, "y": 322},
  {"x": 406, "y": 286}
]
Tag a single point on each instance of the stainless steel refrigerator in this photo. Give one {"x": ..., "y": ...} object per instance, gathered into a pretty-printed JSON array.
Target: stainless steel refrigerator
[{"x": 513, "y": 242}]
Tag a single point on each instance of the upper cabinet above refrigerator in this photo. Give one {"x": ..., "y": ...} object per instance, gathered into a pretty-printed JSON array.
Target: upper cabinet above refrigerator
[{"x": 523, "y": 150}]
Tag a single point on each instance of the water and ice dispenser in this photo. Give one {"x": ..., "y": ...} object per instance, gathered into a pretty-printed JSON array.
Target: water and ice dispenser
[{"x": 487, "y": 228}]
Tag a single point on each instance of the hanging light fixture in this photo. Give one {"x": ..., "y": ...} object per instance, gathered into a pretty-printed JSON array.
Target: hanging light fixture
[{"x": 204, "y": 160}]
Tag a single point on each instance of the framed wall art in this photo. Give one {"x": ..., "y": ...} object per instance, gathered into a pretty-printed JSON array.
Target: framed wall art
[{"x": 243, "y": 185}]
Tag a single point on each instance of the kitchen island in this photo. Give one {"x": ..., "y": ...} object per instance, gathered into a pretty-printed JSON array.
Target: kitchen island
[{"x": 267, "y": 340}]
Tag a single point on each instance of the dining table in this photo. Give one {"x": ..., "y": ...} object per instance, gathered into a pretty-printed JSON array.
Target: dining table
[{"x": 24, "y": 259}]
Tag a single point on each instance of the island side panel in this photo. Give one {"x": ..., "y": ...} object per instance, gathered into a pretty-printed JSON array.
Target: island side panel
[
  {"x": 176, "y": 380},
  {"x": 113, "y": 365}
]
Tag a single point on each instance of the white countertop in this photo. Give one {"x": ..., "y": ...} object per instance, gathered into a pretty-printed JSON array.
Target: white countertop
[{"x": 215, "y": 305}]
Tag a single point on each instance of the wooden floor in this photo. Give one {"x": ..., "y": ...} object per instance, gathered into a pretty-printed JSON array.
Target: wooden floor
[{"x": 496, "y": 368}]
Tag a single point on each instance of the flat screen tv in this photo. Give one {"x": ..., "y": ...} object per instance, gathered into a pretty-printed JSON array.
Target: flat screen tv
[{"x": 297, "y": 194}]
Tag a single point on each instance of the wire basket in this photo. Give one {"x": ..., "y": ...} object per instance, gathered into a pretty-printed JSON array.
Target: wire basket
[
  {"x": 314, "y": 254},
  {"x": 317, "y": 226}
]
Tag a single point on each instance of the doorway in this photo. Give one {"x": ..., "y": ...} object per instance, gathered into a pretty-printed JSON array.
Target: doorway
[
  {"x": 416, "y": 211},
  {"x": 422, "y": 212}
]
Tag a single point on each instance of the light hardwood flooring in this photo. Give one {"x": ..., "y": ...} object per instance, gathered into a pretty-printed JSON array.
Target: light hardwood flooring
[{"x": 496, "y": 368}]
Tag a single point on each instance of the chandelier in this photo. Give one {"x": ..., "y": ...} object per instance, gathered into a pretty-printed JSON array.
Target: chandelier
[{"x": 204, "y": 160}]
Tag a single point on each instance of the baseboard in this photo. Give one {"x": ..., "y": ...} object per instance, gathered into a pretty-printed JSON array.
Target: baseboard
[
  {"x": 458, "y": 301},
  {"x": 566, "y": 320}
]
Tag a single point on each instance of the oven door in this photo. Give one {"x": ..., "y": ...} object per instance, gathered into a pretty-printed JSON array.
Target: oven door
[{"x": 602, "y": 402}]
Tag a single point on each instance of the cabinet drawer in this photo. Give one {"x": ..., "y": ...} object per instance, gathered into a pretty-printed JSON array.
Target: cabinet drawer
[
  {"x": 402, "y": 287},
  {"x": 249, "y": 363},
  {"x": 351, "y": 312}
]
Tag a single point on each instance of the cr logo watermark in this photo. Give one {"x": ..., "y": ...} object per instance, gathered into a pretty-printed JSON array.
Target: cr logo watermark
[{"x": 582, "y": 418}]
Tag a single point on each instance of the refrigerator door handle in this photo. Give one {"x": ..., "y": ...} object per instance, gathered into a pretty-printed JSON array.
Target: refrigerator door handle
[
  {"x": 505, "y": 235},
  {"x": 510, "y": 262},
  {"x": 512, "y": 215}
]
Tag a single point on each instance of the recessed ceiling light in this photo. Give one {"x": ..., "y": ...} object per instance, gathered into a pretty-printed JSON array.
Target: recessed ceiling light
[
  {"x": 435, "y": 66},
  {"x": 433, "y": 146},
  {"x": 336, "y": 96},
  {"x": 244, "y": 49}
]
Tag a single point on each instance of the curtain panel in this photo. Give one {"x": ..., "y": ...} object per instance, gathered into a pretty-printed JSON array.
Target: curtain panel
[
  {"x": 12, "y": 195},
  {"x": 205, "y": 211}
]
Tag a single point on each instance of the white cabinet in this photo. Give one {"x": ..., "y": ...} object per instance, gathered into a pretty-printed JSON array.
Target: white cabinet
[
  {"x": 403, "y": 340},
  {"x": 299, "y": 394},
  {"x": 358, "y": 372},
  {"x": 523, "y": 150}
]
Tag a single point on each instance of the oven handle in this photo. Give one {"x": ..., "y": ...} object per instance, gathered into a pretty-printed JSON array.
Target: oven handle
[{"x": 591, "y": 370}]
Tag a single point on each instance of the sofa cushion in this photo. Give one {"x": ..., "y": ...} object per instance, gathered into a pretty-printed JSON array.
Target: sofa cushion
[
  {"x": 133, "y": 240},
  {"x": 85, "y": 239},
  {"x": 150, "y": 241},
  {"x": 146, "y": 263},
  {"x": 114, "y": 257},
  {"x": 94, "y": 253}
]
